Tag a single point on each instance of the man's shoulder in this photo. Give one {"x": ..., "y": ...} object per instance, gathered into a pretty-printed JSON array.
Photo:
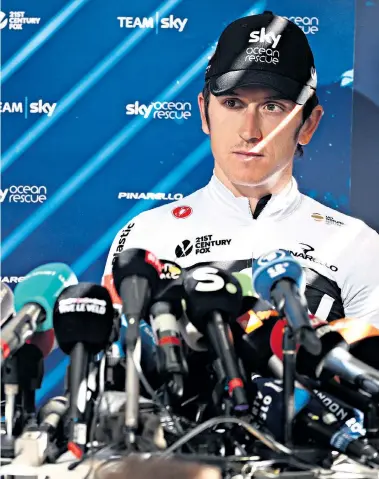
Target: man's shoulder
[{"x": 323, "y": 214}]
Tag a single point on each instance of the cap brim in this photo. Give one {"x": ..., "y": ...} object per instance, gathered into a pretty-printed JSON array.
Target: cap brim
[{"x": 290, "y": 89}]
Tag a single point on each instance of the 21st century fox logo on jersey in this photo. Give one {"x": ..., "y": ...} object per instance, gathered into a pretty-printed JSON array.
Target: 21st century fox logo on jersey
[{"x": 171, "y": 22}]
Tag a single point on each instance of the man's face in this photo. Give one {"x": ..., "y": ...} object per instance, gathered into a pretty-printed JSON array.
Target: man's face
[{"x": 239, "y": 121}]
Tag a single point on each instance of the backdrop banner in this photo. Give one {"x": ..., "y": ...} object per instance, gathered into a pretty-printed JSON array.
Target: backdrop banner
[{"x": 100, "y": 120}]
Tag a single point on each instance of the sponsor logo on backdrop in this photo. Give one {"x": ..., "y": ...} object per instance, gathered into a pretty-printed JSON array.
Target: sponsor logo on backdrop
[
  {"x": 309, "y": 25},
  {"x": 182, "y": 212},
  {"x": 329, "y": 220},
  {"x": 12, "y": 279},
  {"x": 161, "y": 110},
  {"x": 202, "y": 244},
  {"x": 304, "y": 254},
  {"x": 17, "y": 20},
  {"x": 150, "y": 196},
  {"x": 266, "y": 52},
  {"x": 23, "y": 194},
  {"x": 156, "y": 22},
  {"x": 40, "y": 107}
]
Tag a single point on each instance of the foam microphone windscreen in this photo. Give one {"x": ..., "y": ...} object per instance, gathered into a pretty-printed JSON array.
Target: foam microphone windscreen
[
  {"x": 136, "y": 262},
  {"x": 276, "y": 338},
  {"x": 83, "y": 313},
  {"x": 211, "y": 289}
]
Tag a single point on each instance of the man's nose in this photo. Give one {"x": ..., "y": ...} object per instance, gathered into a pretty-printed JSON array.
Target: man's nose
[{"x": 250, "y": 130}]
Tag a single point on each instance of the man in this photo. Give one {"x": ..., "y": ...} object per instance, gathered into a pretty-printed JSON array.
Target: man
[{"x": 259, "y": 107}]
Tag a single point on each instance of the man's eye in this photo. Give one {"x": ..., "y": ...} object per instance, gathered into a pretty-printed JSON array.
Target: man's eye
[
  {"x": 232, "y": 103},
  {"x": 274, "y": 107}
]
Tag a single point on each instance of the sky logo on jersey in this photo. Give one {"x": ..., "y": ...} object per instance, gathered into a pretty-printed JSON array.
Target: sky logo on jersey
[
  {"x": 157, "y": 23},
  {"x": 37, "y": 107},
  {"x": 17, "y": 20},
  {"x": 161, "y": 110},
  {"x": 182, "y": 212}
]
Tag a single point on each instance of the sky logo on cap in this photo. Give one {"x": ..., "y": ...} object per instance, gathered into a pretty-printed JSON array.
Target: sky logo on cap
[{"x": 263, "y": 37}]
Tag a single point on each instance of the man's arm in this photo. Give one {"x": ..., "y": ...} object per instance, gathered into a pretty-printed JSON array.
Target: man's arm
[{"x": 361, "y": 289}]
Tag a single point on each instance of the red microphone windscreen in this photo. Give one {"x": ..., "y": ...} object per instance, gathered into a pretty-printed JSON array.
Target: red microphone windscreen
[{"x": 276, "y": 338}]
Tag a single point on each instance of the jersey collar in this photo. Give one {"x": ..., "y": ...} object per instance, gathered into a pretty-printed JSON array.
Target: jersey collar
[{"x": 279, "y": 205}]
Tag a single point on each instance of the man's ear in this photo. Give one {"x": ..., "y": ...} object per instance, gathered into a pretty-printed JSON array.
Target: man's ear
[
  {"x": 204, "y": 123},
  {"x": 310, "y": 125}
]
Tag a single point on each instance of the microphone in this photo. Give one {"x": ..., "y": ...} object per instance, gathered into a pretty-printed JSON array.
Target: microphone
[
  {"x": 34, "y": 300},
  {"x": 333, "y": 360},
  {"x": 6, "y": 303},
  {"x": 83, "y": 322},
  {"x": 51, "y": 415},
  {"x": 326, "y": 429},
  {"x": 136, "y": 276},
  {"x": 165, "y": 310},
  {"x": 44, "y": 340},
  {"x": 35, "y": 445},
  {"x": 280, "y": 280},
  {"x": 214, "y": 298},
  {"x": 362, "y": 337},
  {"x": 268, "y": 408},
  {"x": 22, "y": 375}
]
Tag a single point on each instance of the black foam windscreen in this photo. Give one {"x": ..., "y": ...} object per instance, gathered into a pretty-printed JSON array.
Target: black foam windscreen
[
  {"x": 211, "y": 289},
  {"x": 170, "y": 287},
  {"x": 366, "y": 350},
  {"x": 30, "y": 367},
  {"x": 136, "y": 262},
  {"x": 83, "y": 313}
]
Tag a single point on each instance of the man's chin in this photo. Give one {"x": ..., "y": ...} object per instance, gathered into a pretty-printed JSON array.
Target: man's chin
[{"x": 254, "y": 182}]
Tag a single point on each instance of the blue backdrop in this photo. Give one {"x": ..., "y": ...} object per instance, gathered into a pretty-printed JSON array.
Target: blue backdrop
[{"x": 69, "y": 148}]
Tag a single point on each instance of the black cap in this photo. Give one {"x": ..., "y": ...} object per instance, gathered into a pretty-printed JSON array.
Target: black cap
[{"x": 266, "y": 50}]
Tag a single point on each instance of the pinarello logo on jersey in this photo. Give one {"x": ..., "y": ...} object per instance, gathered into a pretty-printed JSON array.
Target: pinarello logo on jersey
[{"x": 182, "y": 212}]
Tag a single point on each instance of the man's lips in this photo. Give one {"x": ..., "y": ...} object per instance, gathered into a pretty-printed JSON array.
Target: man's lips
[{"x": 247, "y": 153}]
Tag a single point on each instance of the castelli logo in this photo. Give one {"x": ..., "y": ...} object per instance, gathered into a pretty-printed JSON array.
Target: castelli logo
[{"x": 182, "y": 212}]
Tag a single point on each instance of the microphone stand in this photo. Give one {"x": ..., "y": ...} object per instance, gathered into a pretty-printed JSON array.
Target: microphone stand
[
  {"x": 10, "y": 380},
  {"x": 289, "y": 373},
  {"x": 132, "y": 387}
]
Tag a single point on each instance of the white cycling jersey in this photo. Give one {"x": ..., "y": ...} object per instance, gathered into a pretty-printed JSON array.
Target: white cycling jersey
[{"x": 340, "y": 254}]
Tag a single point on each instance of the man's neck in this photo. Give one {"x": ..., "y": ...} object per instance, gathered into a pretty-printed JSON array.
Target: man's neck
[{"x": 273, "y": 186}]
